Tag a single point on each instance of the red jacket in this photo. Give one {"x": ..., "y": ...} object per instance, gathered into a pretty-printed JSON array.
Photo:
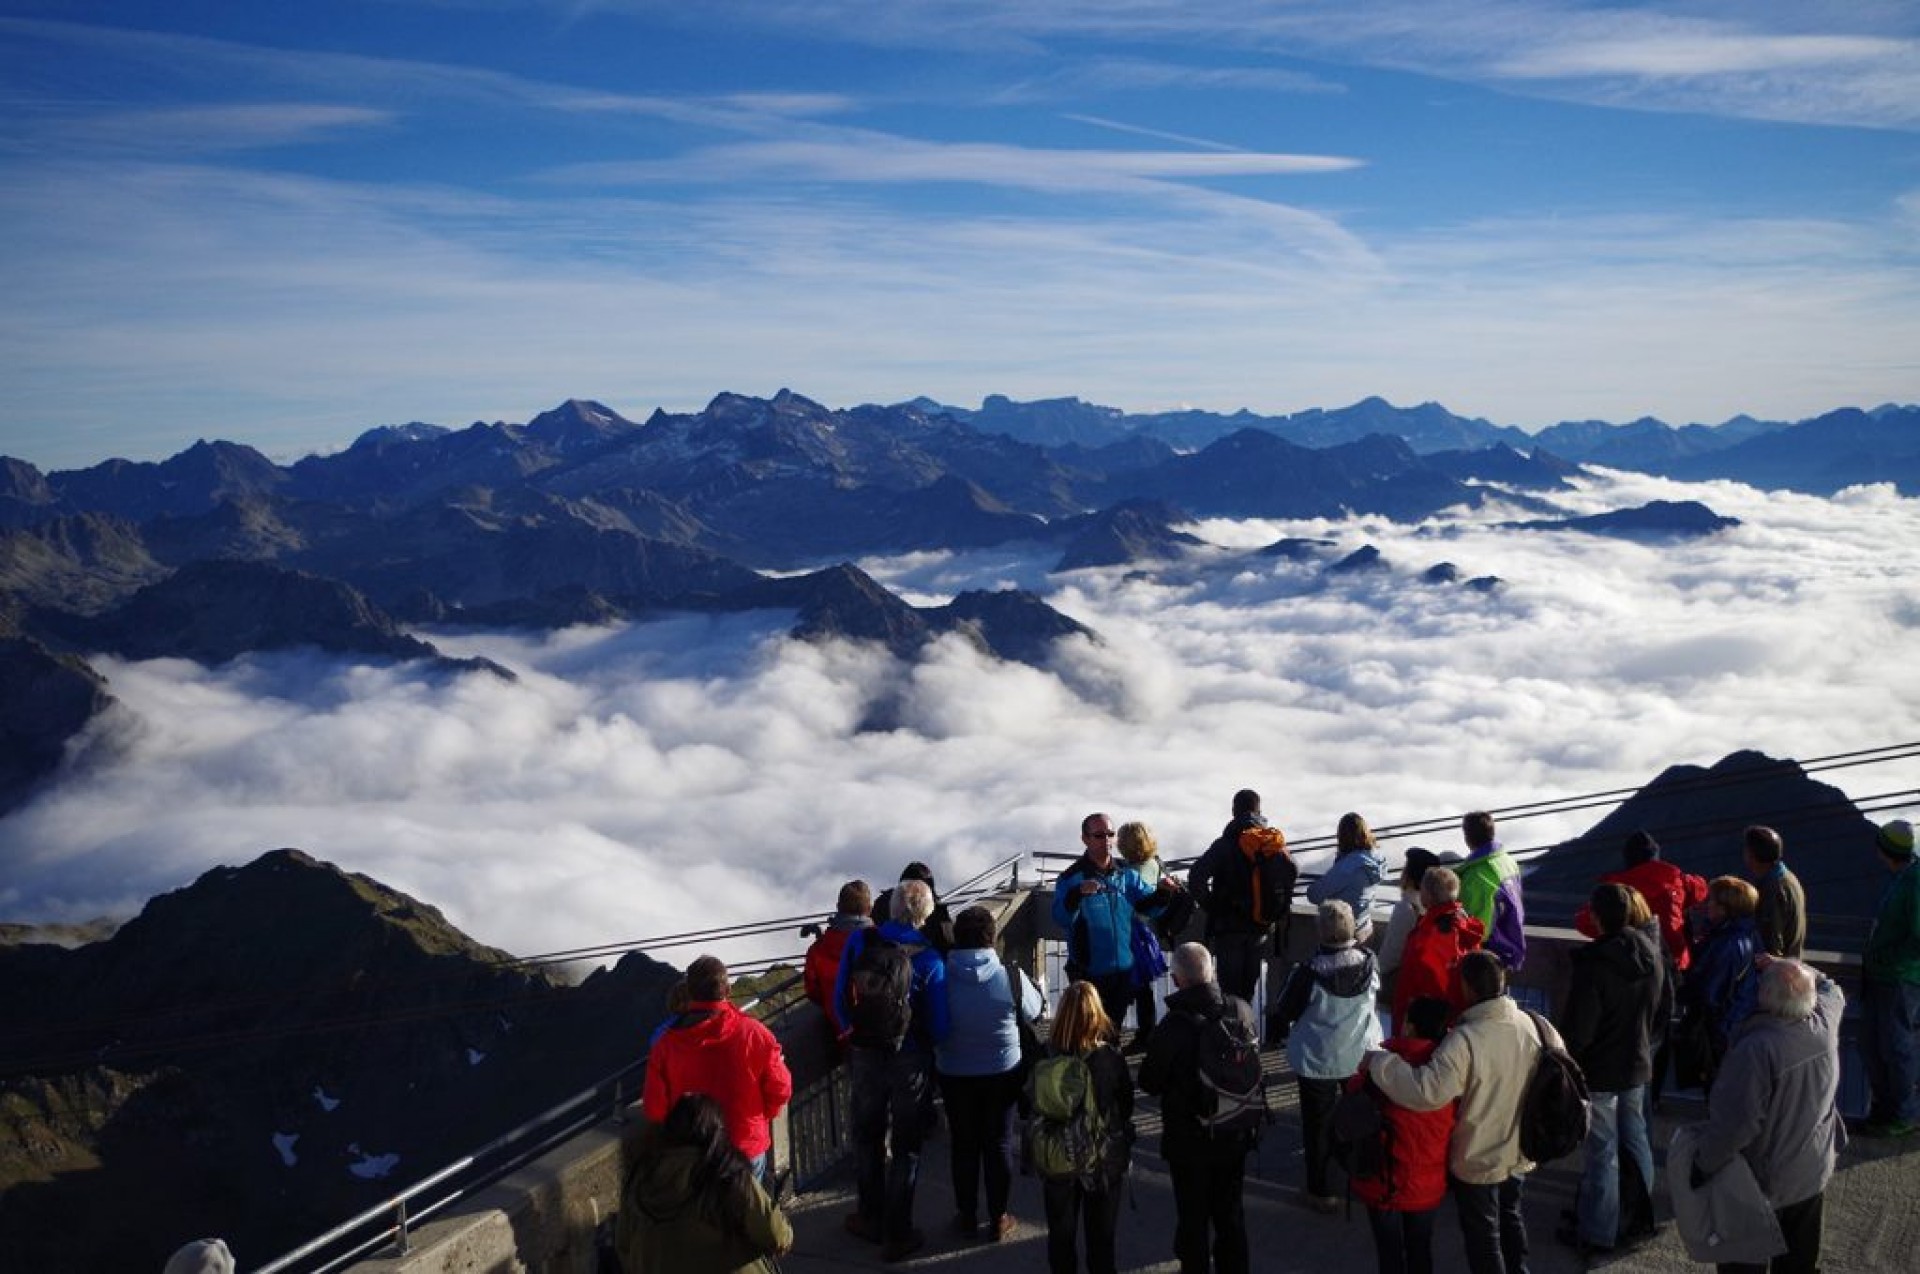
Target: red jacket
[
  {"x": 1668, "y": 891},
  {"x": 822, "y": 967},
  {"x": 716, "y": 1049},
  {"x": 1416, "y": 1175},
  {"x": 1431, "y": 963}
]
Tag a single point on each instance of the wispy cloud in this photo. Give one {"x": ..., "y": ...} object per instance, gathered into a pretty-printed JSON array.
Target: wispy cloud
[
  {"x": 205, "y": 130},
  {"x": 1837, "y": 64},
  {"x": 1137, "y": 130},
  {"x": 873, "y": 158}
]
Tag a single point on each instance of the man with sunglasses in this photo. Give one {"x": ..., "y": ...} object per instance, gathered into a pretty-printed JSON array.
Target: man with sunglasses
[{"x": 1094, "y": 901}]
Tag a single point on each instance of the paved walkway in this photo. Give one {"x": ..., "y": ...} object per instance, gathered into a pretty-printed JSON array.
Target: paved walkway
[{"x": 1873, "y": 1213}]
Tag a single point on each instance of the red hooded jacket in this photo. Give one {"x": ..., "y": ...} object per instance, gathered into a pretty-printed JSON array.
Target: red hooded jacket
[
  {"x": 823, "y": 967},
  {"x": 716, "y": 1049},
  {"x": 1668, "y": 891},
  {"x": 1430, "y": 965},
  {"x": 1416, "y": 1175}
]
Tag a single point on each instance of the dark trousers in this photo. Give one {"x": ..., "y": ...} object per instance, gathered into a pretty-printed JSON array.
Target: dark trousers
[
  {"x": 1317, "y": 1097},
  {"x": 1071, "y": 1207},
  {"x": 1237, "y": 958},
  {"x": 1801, "y": 1223},
  {"x": 892, "y": 1109},
  {"x": 1490, "y": 1221},
  {"x": 1207, "y": 1184},
  {"x": 1116, "y": 994},
  {"x": 1146, "y": 1013},
  {"x": 1403, "y": 1240},
  {"x": 980, "y": 1125},
  {"x": 1889, "y": 1042}
]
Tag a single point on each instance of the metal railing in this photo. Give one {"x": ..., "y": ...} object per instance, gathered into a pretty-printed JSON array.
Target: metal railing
[
  {"x": 816, "y": 1130},
  {"x": 391, "y": 1219}
]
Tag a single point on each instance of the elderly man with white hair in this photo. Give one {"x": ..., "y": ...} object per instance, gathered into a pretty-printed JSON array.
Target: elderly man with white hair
[
  {"x": 892, "y": 994},
  {"x": 1773, "y": 1103},
  {"x": 1208, "y": 1166}
]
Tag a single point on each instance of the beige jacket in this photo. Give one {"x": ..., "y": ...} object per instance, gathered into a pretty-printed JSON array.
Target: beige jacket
[{"x": 1484, "y": 1062}]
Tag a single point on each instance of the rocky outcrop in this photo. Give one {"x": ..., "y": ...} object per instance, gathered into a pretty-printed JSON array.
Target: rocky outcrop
[
  {"x": 226, "y": 1060},
  {"x": 1656, "y": 520},
  {"x": 46, "y": 700},
  {"x": 214, "y": 611},
  {"x": 1132, "y": 531},
  {"x": 83, "y": 562}
]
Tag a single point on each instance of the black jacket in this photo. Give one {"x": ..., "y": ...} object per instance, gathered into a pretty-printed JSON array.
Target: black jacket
[
  {"x": 1222, "y": 882},
  {"x": 1614, "y": 1002},
  {"x": 1171, "y": 1069}
]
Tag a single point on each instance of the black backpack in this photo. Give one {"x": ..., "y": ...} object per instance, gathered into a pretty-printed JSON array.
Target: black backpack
[
  {"x": 1554, "y": 1111},
  {"x": 1233, "y": 1082},
  {"x": 879, "y": 992},
  {"x": 1362, "y": 1134}
]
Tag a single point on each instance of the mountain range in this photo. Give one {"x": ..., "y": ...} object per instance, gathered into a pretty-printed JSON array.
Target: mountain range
[{"x": 581, "y": 515}]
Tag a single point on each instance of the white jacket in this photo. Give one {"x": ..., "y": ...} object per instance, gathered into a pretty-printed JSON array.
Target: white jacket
[{"x": 1484, "y": 1062}]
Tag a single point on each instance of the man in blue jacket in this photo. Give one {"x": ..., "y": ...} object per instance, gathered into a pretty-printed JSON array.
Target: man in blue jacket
[{"x": 1094, "y": 901}]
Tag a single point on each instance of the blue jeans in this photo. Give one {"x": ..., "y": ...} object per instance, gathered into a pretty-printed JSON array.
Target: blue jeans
[
  {"x": 892, "y": 1108},
  {"x": 1619, "y": 1126},
  {"x": 1492, "y": 1224},
  {"x": 1889, "y": 1049}
]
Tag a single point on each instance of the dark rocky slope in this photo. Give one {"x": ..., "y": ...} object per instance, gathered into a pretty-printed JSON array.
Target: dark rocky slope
[{"x": 145, "y": 1079}]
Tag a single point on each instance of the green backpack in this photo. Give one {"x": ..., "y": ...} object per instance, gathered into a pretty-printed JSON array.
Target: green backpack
[{"x": 1069, "y": 1138}]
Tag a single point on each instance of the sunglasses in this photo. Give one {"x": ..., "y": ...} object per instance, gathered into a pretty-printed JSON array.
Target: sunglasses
[{"x": 1100, "y": 835}]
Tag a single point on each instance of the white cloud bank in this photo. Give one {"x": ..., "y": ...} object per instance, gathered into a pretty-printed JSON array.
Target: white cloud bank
[{"x": 700, "y": 771}]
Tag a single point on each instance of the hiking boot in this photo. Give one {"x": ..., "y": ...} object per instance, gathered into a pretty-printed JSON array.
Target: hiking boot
[
  {"x": 901, "y": 1248},
  {"x": 1003, "y": 1226},
  {"x": 861, "y": 1228}
]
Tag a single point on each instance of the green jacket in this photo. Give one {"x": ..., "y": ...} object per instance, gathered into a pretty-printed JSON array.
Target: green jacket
[
  {"x": 1893, "y": 948},
  {"x": 665, "y": 1228}
]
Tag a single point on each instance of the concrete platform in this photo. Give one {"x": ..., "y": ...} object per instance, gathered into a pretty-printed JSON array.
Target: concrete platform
[{"x": 1873, "y": 1213}]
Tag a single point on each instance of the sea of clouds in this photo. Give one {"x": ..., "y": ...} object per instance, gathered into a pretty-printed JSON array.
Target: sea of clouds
[{"x": 697, "y": 771}]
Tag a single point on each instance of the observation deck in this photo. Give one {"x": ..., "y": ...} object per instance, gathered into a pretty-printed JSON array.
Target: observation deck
[{"x": 542, "y": 1216}]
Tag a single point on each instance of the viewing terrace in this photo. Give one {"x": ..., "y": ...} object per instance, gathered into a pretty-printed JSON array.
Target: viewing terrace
[{"x": 537, "y": 1201}]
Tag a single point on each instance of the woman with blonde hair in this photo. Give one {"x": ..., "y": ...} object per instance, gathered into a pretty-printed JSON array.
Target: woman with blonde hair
[
  {"x": 1081, "y": 1028},
  {"x": 1142, "y": 853}
]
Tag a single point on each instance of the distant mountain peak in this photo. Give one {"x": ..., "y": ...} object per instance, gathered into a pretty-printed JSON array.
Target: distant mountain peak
[{"x": 382, "y": 436}]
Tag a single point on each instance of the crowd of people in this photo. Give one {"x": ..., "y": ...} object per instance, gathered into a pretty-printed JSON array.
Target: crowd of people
[{"x": 1703, "y": 978}]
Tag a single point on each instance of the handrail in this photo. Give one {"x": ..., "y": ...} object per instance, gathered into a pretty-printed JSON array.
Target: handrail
[
  {"x": 401, "y": 1199},
  {"x": 396, "y": 1205}
]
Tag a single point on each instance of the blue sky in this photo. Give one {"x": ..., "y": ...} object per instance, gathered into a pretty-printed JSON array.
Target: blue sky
[{"x": 285, "y": 224}]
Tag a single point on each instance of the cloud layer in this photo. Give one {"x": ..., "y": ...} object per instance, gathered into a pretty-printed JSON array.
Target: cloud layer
[{"x": 699, "y": 771}]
